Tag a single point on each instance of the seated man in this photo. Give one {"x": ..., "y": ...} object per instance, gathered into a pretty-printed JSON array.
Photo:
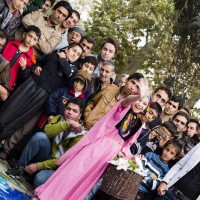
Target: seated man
[
  {"x": 45, "y": 148},
  {"x": 49, "y": 27}
]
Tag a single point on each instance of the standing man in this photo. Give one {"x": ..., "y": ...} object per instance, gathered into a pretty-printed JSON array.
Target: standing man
[
  {"x": 70, "y": 22},
  {"x": 49, "y": 26},
  {"x": 171, "y": 107},
  {"x": 182, "y": 182},
  {"x": 108, "y": 51}
]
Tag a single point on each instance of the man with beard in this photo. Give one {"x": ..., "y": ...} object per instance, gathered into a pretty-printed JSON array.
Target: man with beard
[
  {"x": 171, "y": 107},
  {"x": 49, "y": 26}
]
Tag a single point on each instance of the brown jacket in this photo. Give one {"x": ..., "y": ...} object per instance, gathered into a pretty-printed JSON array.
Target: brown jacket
[{"x": 100, "y": 104}]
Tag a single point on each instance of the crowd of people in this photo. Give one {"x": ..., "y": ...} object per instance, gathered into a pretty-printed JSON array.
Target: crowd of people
[{"x": 64, "y": 115}]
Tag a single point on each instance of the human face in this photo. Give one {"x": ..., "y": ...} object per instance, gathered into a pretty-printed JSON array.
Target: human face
[
  {"x": 89, "y": 67},
  {"x": 2, "y": 42},
  {"x": 122, "y": 81},
  {"x": 58, "y": 15},
  {"x": 46, "y": 5},
  {"x": 18, "y": 4},
  {"x": 107, "y": 52},
  {"x": 140, "y": 105},
  {"x": 132, "y": 86},
  {"x": 169, "y": 153},
  {"x": 71, "y": 21},
  {"x": 171, "y": 107},
  {"x": 78, "y": 85},
  {"x": 73, "y": 37},
  {"x": 87, "y": 47},
  {"x": 191, "y": 129},
  {"x": 106, "y": 73},
  {"x": 72, "y": 112},
  {"x": 73, "y": 53},
  {"x": 151, "y": 114},
  {"x": 180, "y": 122},
  {"x": 160, "y": 97},
  {"x": 30, "y": 39}
]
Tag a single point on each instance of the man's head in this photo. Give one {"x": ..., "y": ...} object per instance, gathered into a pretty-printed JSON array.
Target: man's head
[
  {"x": 3, "y": 38},
  {"x": 75, "y": 34},
  {"x": 47, "y": 4},
  {"x": 18, "y": 5},
  {"x": 87, "y": 44},
  {"x": 185, "y": 109},
  {"x": 108, "y": 49},
  {"x": 162, "y": 95},
  {"x": 81, "y": 81},
  {"x": 31, "y": 36},
  {"x": 72, "y": 20},
  {"x": 180, "y": 119},
  {"x": 89, "y": 64},
  {"x": 73, "y": 109},
  {"x": 122, "y": 79},
  {"x": 107, "y": 71},
  {"x": 132, "y": 84},
  {"x": 171, "y": 150},
  {"x": 73, "y": 52},
  {"x": 60, "y": 12},
  {"x": 192, "y": 127},
  {"x": 173, "y": 105},
  {"x": 153, "y": 112}
]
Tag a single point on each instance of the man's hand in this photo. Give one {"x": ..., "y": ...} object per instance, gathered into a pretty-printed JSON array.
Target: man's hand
[
  {"x": 162, "y": 188},
  {"x": 23, "y": 62},
  {"x": 37, "y": 70},
  {"x": 74, "y": 126},
  {"x": 153, "y": 176},
  {"x": 32, "y": 168}
]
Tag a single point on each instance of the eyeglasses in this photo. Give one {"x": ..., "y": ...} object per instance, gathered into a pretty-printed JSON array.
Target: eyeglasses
[{"x": 182, "y": 123}]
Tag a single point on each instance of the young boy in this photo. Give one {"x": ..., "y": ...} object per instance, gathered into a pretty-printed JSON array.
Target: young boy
[
  {"x": 89, "y": 64},
  {"x": 58, "y": 99},
  {"x": 151, "y": 114},
  {"x": 20, "y": 55},
  {"x": 158, "y": 138},
  {"x": 10, "y": 11},
  {"x": 157, "y": 167}
]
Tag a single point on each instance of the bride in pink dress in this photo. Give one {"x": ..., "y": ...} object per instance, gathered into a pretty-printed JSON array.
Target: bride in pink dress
[{"x": 83, "y": 165}]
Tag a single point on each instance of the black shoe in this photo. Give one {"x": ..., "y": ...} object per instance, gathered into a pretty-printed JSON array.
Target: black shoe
[{"x": 18, "y": 171}]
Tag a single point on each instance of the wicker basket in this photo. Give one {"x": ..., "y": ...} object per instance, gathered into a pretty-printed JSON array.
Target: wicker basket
[{"x": 121, "y": 184}]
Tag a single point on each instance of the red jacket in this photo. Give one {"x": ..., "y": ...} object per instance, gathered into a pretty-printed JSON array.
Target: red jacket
[{"x": 11, "y": 48}]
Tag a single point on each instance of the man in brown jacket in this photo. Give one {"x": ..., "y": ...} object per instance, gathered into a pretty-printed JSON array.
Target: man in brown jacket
[{"x": 103, "y": 101}]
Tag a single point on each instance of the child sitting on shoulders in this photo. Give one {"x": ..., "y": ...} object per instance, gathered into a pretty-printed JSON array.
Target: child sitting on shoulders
[
  {"x": 157, "y": 166},
  {"x": 19, "y": 55}
]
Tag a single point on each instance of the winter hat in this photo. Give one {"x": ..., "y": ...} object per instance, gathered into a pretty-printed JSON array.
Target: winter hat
[
  {"x": 83, "y": 76},
  {"x": 77, "y": 29}
]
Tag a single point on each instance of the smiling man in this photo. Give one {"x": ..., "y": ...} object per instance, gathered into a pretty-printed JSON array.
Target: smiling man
[{"x": 49, "y": 26}]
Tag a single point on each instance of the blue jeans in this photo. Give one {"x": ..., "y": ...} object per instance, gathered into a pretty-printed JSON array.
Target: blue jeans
[
  {"x": 37, "y": 149},
  {"x": 95, "y": 188},
  {"x": 42, "y": 176}
]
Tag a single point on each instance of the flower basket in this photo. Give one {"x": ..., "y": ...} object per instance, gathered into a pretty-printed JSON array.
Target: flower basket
[{"x": 120, "y": 183}]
